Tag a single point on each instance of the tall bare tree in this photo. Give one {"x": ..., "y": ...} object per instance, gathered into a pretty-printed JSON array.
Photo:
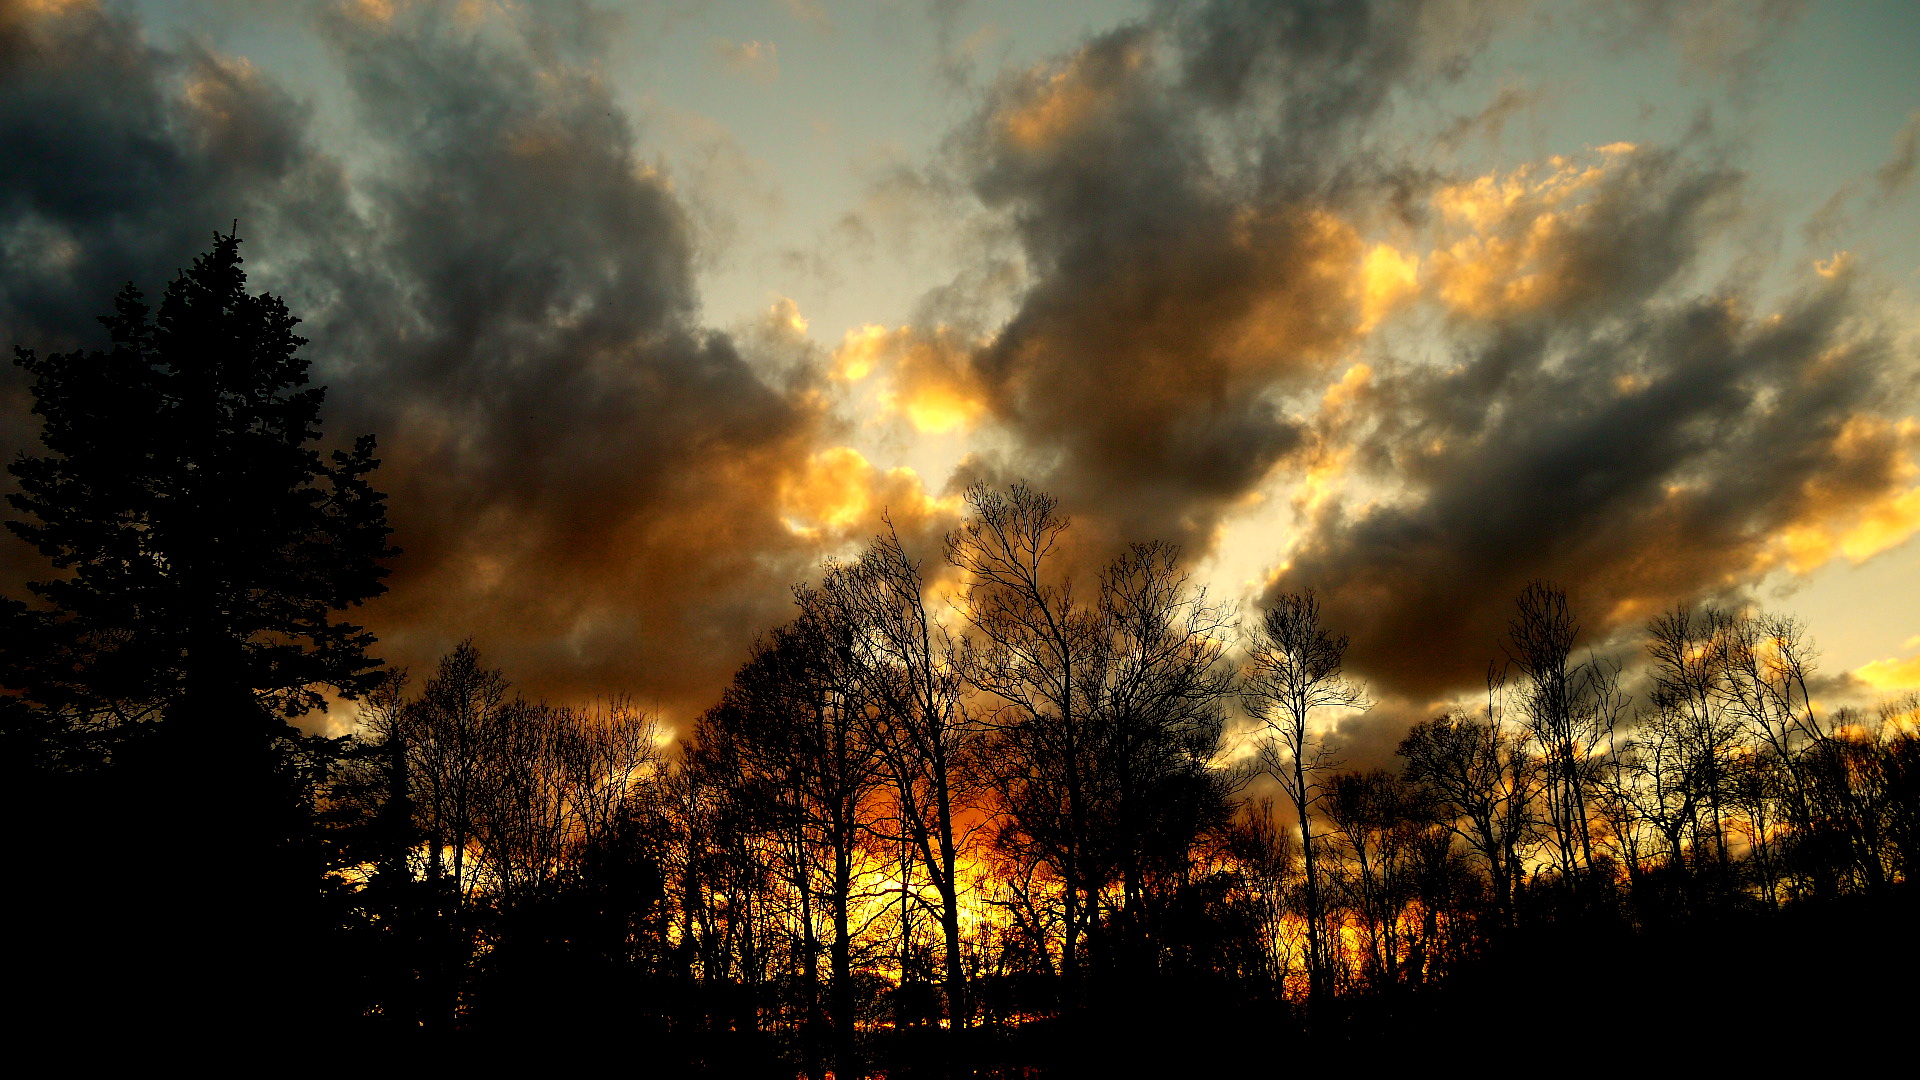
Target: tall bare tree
[
  {"x": 906, "y": 664},
  {"x": 1262, "y": 850},
  {"x": 1688, "y": 648},
  {"x": 1662, "y": 778},
  {"x": 1570, "y": 709},
  {"x": 795, "y": 723},
  {"x": 1029, "y": 651},
  {"x": 1157, "y": 686},
  {"x": 1294, "y": 676},
  {"x": 1769, "y": 663},
  {"x": 448, "y": 725}
]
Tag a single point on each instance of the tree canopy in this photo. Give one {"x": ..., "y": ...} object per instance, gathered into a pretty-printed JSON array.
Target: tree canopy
[{"x": 206, "y": 543}]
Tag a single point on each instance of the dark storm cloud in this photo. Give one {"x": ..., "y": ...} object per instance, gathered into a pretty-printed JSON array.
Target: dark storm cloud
[
  {"x": 582, "y": 477},
  {"x": 1606, "y": 428},
  {"x": 580, "y": 472},
  {"x": 122, "y": 159},
  {"x": 1189, "y": 198},
  {"x": 611, "y": 496},
  {"x": 1175, "y": 190}
]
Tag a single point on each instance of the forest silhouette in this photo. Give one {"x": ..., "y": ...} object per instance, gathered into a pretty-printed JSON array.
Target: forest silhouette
[{"x": 989, "y": 810}]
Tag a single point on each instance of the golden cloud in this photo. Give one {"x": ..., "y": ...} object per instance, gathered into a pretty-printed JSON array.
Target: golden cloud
[
  {"x": 928, "y": 378},
  {"x": 374, "y": 11},
  {"x": 936, "y": 410},
  {"x": 1890, "y": 675},
  {"x": 1052, "y": 106},
  {"x": 1319, "y": 286},
  {"x": 220, "y": 85},
  {"x": 466, "y": 12},
  {"x": 1833, "y": 267},
  {"x": 837, "y": 495},
  {"x": 1836, "y": 521},
  {"x": 785, "y": 317},
  {"x": 861, "y": 351},
  {"x": 53, "y": 7},
  {"x": 1388, "y": 278},
  {"x": 1512, "y": 256},
  {"x": 757, "y": 60}
]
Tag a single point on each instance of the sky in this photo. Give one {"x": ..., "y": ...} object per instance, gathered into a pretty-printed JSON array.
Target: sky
[{"x": 654, "y": 306}]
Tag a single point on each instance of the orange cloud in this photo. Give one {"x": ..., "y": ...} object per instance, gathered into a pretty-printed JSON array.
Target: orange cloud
[
  {"x": 784, "y": 315},
  {"x": 837, "y": 495},
  {"x": 1511, "y": 257},
  {"x": 1315, "y": 278},
  {"x": 1050, "y": 107},
  {"x": 928, "y": 381},
  {"x": 936, "y": 409},
  {"x": 1837, "y": 521},
  {"x": 54, "y": 7},
  {"x": 861, "y": 351},
  {"x": 1388, "y": 278}
]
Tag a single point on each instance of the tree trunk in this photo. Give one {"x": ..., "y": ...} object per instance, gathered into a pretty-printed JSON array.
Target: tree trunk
[
  {"x": 843, "y": 1051},
  {"x": 957, "y": 1011},
  {"x": 1316, "y": 966}
]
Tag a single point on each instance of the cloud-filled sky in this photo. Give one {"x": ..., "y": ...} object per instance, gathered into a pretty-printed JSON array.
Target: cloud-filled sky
[{"x": 654, "y": 306}]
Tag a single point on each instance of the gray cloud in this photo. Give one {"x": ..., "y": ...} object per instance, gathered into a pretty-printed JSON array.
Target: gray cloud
[
  {"x": 1636, "y": 440},
  {"x": 1172, "y": 188},
  {"x": 582, "y": 476},
  {"x": 1894, "y": 176},
  {"x": 124, "y": 158},
  {"x": 1727, "y": 40},
  {"x": 1179, "y": 193},
  {"x": 597, "y": 485}
]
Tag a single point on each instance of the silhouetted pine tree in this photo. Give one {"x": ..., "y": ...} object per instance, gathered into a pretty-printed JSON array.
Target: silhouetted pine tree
[{"x": 204, "y": 546}]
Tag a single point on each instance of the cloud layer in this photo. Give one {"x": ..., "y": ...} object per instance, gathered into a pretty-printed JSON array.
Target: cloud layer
[
  {"x": 1238, "y": 288},
  {"x": 1182, "y": 197},
  {"x": 1599, "y": 423},
  {"x": 582, "y": 476},
  {"x": 1201, "y": 269}
]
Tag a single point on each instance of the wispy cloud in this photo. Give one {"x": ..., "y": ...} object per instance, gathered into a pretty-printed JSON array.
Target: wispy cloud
[{"x": 756, "y": 60}]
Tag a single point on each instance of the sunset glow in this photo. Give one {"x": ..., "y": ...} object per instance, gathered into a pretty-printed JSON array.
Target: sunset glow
[{"x": 871, "y": 531}]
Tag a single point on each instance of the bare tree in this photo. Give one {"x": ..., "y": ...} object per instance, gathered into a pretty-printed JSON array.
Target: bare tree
[
  {"x": 1484, "y": 780},
  {"x": 906, "y": 664},
  {"x": 553, "y": 783},
  {"x": 1029, "y": 651},
  {"x": 729, "y": 923},
  {"x": 449, "y": 723},
  {"x": 1157, "y": 683},
  {"x": 1662, "y": 779},
  {"x": 1262, "y": 850},
  {"x": 1769, "y": 662},
  {"x": 1294, "y": 675},
  {"x": 1402, "y": 875},
  {"x": 1106, "y": 715},
  {"x": 383, "y": 719},
  {"x": 1570, "y": 710},
  {"x": 1689, "y": 649},
  {"x": 1900, "y": 748},
  {"x": 795, "y": 725}
]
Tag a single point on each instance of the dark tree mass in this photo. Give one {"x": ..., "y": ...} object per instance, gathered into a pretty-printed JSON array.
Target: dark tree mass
[
  {"x": 991, "y": 808},
  {"x": 205, "y": 548},
  {"x": 207, "y": 543}
]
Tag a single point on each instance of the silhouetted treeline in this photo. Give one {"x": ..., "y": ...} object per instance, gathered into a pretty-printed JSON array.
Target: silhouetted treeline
[{"x": 1028, "y": 818}]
